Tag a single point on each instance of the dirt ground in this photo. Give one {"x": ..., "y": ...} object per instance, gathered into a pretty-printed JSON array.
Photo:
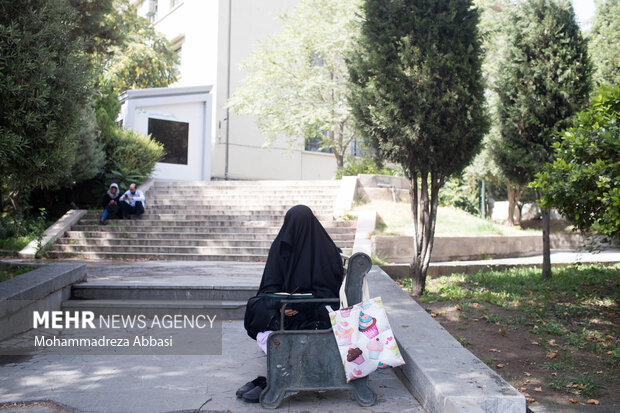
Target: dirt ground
[{"x": 516, "y": 355}]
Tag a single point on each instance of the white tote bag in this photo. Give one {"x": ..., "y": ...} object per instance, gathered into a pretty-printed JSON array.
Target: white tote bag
[{"x": 365, "y": 339}]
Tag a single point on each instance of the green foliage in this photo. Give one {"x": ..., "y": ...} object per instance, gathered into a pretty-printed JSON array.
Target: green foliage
[
  {"x": 107, "y": 108},
  {"x": 355, "y": 166},
  {"x": 45, "y": 83},
  {"x": 583, "y": 181},
  {"x": 16, "y": 231},
  {"x": 417, "y": 93},
  {"x": 417, "y": 84},
  {"x": 144, "y": 58},
  {"x": 11, "y": 271},
  {"x": 456, "y": 193},
  {"x": 605, "y": 42},
  {"x": 132, "y": 158},
  {"x": 296, "y": 84},
  {"x": 556, "y": 309},
  {"x": 89, "y": 154},
  {"x": 544, "y": 79}
]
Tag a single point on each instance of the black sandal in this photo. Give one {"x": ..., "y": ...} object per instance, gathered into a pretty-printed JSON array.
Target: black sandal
[{"x": 260, "y": 381}]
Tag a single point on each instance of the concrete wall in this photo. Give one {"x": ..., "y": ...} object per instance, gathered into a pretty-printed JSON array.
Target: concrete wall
[
  {"x": 42, "y": 289},
  {"x": 400, "y": 249}
]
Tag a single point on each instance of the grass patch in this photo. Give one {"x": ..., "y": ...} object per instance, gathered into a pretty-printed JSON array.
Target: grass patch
[
  {"x": 394, "y": 218},
  {"x": 573, "y": 317},
  {"x": 15, "y": 243},
  {"x": 584, "y": 385},
  {"x": 11, "y": 271}
]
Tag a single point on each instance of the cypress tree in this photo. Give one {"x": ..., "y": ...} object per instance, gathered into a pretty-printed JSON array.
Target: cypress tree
[
  {"x": 544, "y": 79},
  {"x": 418, "y": 95}
]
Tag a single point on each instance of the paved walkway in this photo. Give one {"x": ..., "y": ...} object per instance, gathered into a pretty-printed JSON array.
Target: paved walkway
[
  {"x": 100, "y": 383},
  {"x": 95, "y": 383},
  {"x": 557, "y": 257}
]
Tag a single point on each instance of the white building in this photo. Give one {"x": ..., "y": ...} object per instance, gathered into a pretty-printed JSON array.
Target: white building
[{"x": 212, "y": 37}]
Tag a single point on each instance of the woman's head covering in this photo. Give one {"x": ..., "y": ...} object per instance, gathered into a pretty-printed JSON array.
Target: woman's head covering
[
  {"x": 110, "y": 194},
  {"x": 303, "y": 258}
]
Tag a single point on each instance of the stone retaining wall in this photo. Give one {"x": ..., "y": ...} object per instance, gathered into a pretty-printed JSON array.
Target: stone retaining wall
[
  {"x": 399, "y": 249},
  {"x": 42, "y": 289}
]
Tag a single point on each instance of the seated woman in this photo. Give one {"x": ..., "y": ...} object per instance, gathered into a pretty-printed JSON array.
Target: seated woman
[
  {"x": 302, "y": 259},
  {"x": 110, "y": 202}
]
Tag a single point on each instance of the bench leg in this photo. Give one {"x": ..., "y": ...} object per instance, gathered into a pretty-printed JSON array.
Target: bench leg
[
  {"x": 363, "y": 393},
  {"x": 271, "y": 397}
]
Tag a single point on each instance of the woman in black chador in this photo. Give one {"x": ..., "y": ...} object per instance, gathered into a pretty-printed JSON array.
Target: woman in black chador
[{"x": 302, "y": 259}]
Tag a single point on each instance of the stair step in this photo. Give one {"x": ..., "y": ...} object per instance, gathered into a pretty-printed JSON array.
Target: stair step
[
  {"x": 119, "y": 291},
  {"x": 225, "y": 310},
  {"x": 159, "y": 249},
  {"x": 266, "y": 243},
  {"x": 232, "y": 236},
  {"x": 131, "y": 223},
  {"x": 191, "y": 229},
  {"x": 162, "y": 256},
  {"x": 165, "y": 242}
]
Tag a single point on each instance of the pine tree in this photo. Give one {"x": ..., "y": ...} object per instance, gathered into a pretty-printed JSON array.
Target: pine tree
[
  {"x": 418, "y": 95},
  {"x": 544, "y": 79}
]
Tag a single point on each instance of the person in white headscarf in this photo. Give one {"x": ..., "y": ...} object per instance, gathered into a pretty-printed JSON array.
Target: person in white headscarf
[{"x": 110, "y": 203}]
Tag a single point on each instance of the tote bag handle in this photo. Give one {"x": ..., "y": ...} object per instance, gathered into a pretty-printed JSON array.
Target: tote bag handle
[{"x": 343, "y": 295}]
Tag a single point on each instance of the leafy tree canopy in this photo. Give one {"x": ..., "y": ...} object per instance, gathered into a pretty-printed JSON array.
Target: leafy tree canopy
[
  {"x": 296, "y": 84},
  {"x": 583, "y": 181},
  {"x": 144, "y": 58}
]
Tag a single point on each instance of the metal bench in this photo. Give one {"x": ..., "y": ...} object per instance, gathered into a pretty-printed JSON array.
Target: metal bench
[{"x": 309, "y": 360}]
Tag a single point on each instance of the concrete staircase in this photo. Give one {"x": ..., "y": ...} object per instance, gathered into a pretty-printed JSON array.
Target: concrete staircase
[
  {"x": 214, "y": 221},
  {"x": 126, "y": 299}
]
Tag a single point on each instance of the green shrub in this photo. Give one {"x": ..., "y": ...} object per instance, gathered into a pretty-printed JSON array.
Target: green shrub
[
  {"x": 355, "y": 166},
  {"x": 132, "y": 157},
  {"x": 457, "y": 194},
  {"x": 583, "y": 181}
]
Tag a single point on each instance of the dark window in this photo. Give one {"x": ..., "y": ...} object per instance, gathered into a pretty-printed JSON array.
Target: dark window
[
  {"x": 174, "y": 135},
  {"x": 314, "y": 145}
]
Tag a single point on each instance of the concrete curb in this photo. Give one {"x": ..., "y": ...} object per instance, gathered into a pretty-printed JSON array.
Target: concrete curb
[
  {"x": 42, "y": 289},
  {"x": 56, "y": 230},
  {"x": 443, "y": 375},
  {"x": 344, "y": 200},
  {"x": 397, "y": 271},
  {"x": 366, "y": 221},
  {"x": 399, "y": 249}
]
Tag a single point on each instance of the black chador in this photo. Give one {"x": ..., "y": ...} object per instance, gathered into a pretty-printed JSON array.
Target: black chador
[{"x": 302, "y": 259}]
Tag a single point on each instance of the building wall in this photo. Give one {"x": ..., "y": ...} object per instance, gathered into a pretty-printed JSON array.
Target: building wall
[{"x": 201, "y": 29}]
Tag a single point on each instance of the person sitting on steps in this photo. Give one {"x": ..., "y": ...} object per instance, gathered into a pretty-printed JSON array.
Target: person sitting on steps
[
  {"x": 132, "y": 202},
  {"x": 110, "y": 203}
]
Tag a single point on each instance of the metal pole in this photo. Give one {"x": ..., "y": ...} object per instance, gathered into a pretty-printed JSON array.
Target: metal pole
[{"x": 228, "y": 90}]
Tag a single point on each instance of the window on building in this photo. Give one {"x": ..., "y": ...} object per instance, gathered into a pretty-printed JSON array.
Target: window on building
[
  {"x": 174, "y": 3},
  {"x": 174, "y": 136},
  {"x": 177, "y": 46},
  {"x": 151, "y": 13},
  {"x": 313, "y": 144},
  {"x": 177, "y": 67}
]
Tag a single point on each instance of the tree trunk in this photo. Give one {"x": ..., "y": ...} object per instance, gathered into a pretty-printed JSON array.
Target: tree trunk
[
  {"x": 339, "y": 158},
  {"x": 546, "y": 266},
  {"x": 511, "y": 203},
  {"x": 424, "y": 211}
]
